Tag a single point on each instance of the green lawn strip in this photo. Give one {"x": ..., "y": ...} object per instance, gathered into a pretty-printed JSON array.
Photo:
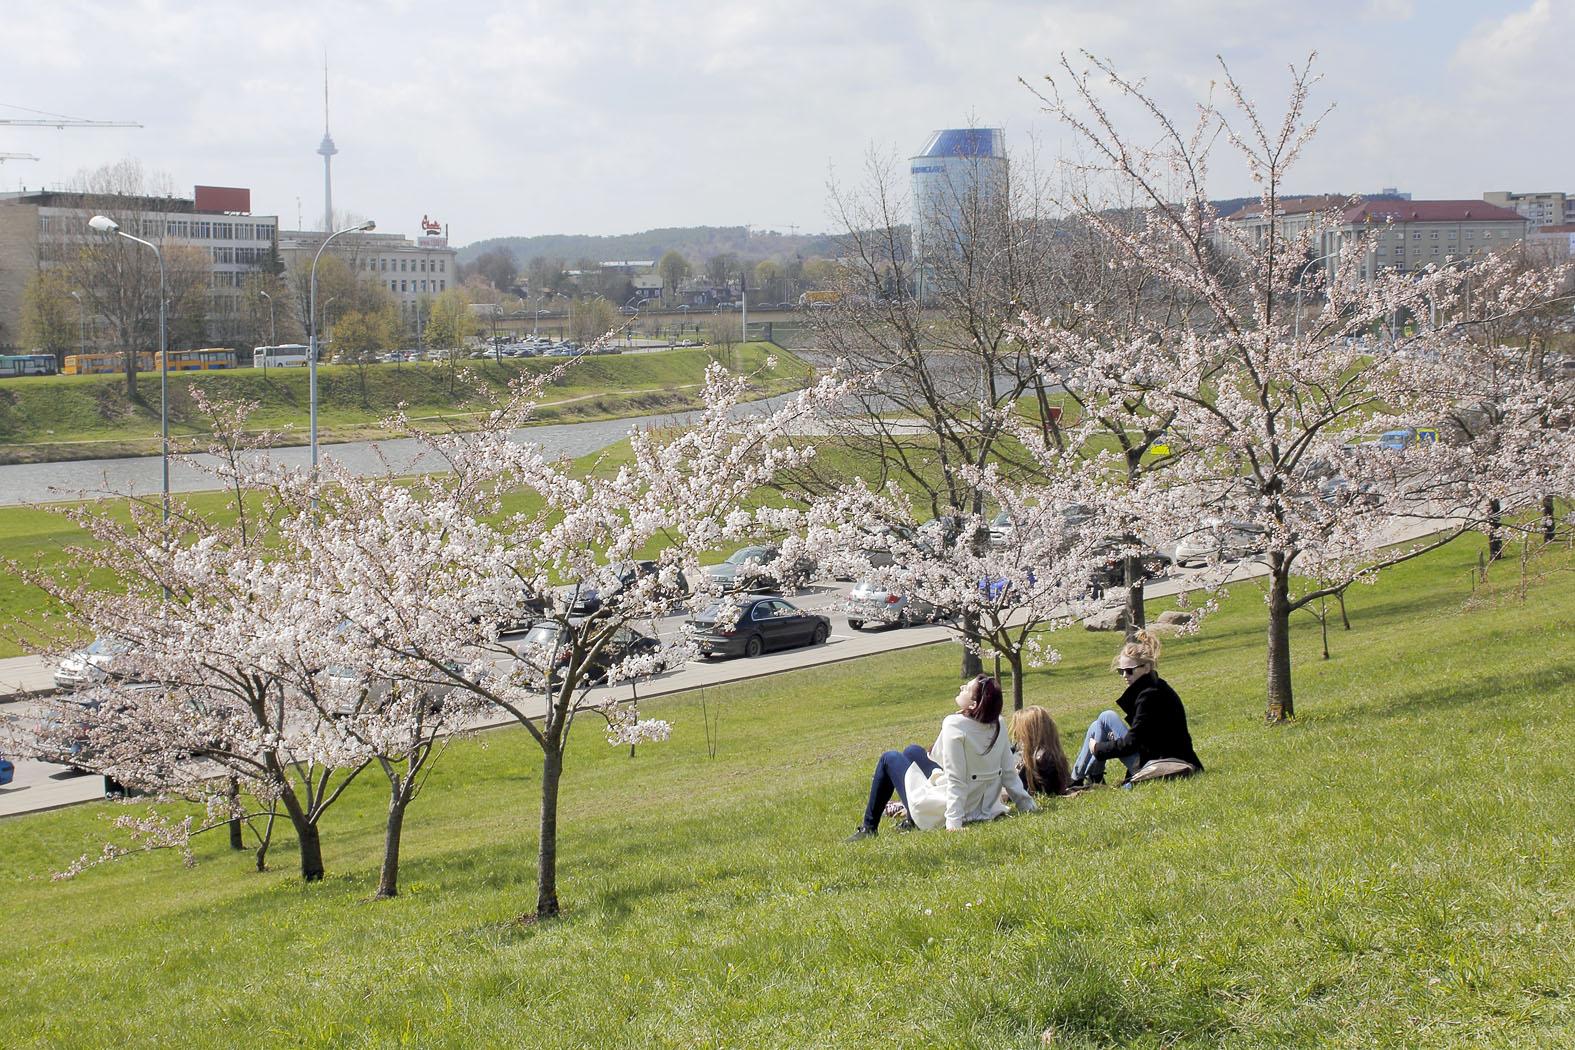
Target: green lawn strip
[
  {"x": 1391, "y": 871},
  {"x": 86, "y": 416}
]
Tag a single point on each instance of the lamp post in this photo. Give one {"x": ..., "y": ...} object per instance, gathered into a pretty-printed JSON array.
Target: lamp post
[
  {"x": 273, "y": 327},
  {"x": 81, "y": 323},
  {"x": 104, "y": 224},
  {"x": 311, "y": 321},
  {"x": 1296, "y": 322}
]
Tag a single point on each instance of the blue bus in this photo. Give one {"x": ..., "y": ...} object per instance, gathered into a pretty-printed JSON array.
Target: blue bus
[{"x": 28, "y": 365}]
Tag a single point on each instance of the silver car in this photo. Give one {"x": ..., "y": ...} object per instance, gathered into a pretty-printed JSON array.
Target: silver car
[
  {"x": 92, "y": 665},
  {"x": 874, "y": 603},
  {"x": 1220, "y": 540}
]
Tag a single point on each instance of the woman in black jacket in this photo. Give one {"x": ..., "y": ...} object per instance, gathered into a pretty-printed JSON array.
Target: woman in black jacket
[{"x": 1155, "y": 723}]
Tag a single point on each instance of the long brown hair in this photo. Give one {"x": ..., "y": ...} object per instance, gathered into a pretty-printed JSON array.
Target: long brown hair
[{"x": 1045, "y": 768}]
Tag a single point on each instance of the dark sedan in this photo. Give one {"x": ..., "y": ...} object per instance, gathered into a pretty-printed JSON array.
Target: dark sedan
[
  {"x": 542, "y": 642},
  {"x": 763, "y": 622},
  {"x": 588, "y": 596}
]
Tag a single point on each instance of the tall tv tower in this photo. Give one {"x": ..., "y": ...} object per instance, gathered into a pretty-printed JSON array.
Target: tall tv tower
[{"x": 327, "y": 149}]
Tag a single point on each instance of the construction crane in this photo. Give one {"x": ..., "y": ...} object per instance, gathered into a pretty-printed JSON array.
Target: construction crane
[{"x": 44, "y": 119}]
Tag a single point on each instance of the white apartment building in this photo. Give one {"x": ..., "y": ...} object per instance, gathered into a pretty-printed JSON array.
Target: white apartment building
[
  {"x": 413, "y": 271},
  {"x": 1539, "y": 209}
]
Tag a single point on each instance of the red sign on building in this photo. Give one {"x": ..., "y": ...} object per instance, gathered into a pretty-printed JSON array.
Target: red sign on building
[{"x": 224, "y": 198}]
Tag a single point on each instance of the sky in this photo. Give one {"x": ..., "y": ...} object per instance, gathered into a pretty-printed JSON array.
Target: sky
[{"x": 588, "y": 117}]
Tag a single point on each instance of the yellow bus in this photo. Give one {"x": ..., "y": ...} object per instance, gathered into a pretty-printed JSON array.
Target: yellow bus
[
  {"x": 104, "y": 364},
  {"x": 197, "y": 360}
]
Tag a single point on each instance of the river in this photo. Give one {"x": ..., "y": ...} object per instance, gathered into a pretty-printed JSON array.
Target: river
[{"x": 24, "y": 483}]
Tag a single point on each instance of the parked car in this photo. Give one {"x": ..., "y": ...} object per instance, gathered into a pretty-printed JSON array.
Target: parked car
[
  {"x": 763, "y": 623},
  {"x": 529, "y": 608},
  {"x": 587, "y": 596},
  {"x": 91, "y": 665},
  {"x": 757, "y": 569},
  {"x": 1002, "y": 530},
  {"x": 1112, "y": 572},
  {"x": 876, "y": 547},
  {"x": 869, "y": 602},
  {"x": 543, "y": 639},
  {"x": 1342, "y": 490},
  {"x": 1219, "y": 540}
]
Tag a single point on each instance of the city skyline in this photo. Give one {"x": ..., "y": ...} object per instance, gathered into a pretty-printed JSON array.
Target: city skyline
[{"x": 548, "y": 118}]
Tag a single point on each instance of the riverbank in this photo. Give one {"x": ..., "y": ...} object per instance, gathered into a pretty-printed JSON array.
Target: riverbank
[{"x": 71, "y": 418}]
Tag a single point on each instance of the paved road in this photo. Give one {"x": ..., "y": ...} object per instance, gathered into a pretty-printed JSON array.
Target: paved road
[
  {"x": 45, "y": 482},
  {"x": 43, "y": 785}
]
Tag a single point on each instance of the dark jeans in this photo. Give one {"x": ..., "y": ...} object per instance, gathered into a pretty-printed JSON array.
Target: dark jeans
[{"x": 889, "y": 774}]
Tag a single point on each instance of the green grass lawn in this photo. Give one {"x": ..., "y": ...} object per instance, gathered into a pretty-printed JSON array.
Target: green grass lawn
[
  {"x": 82, "y": 417},
  {"x": 1394, "y": 870}
]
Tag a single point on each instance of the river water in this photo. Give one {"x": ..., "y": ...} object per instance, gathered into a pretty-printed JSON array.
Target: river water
[{"x": 46, "y": 482}]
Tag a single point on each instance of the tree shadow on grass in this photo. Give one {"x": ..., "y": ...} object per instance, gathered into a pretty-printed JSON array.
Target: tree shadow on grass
[{"x": 1455, "y": 694}]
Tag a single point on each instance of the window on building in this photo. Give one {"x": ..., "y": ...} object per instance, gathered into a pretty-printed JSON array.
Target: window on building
[
  {"x": 402, "y": 286},
  {"x": 442, "y": 286},
  {"x": 201, "y": 230},
  {"x": 402, "y": 265},
  {"x": 442, "y": 266},
  {"x": 1487, "y": 235},
  {"x": 1434, "y": 235},
  {"x": 224, "y": 231}
]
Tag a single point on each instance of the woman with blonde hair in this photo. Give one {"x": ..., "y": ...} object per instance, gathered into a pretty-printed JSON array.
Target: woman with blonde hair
[
  {"x": 1155, "y": 725},
  {"x": 1044, "y": 766}
]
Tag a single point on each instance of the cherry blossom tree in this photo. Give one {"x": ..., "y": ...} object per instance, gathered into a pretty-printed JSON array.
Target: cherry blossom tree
[{"x": 1261, "y": 392}]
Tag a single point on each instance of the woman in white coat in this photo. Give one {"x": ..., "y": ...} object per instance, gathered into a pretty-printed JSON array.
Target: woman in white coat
[{"x": 959, "y": 780}]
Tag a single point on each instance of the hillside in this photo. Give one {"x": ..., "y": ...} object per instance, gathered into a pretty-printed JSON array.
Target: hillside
[{"x": 694, "y": 242}]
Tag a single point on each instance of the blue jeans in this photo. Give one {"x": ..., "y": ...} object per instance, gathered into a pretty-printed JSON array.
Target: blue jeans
[
  {"x": 890, "y": 771},
  {"x": 1108, "y": 726}
]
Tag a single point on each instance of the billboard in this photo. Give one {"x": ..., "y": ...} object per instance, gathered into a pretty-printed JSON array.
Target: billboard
[{"x": 224, "y": 198}]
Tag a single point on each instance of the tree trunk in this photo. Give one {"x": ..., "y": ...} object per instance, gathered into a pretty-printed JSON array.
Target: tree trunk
[
  {"x": 1549, "y": 520},
  {"x": 388, "y": 878},
  {"x": 311, "y": 852},
  {"x": 1016, "y": 660},
  {"x": 1323, "y": 624},
  {"x": 306, "y": 834},
  {"x": 1495, "y": 531},
  {"x": 1345, "y": 621},
  {"x": 234, "y": 793},
  {"x": 547, "y": 852},
  {"x": 1134, "y": 581},
  {"x": 972, "y": 665},
  {"x": 1280, "y": 705},
  {"x": 267, "y": 840}
]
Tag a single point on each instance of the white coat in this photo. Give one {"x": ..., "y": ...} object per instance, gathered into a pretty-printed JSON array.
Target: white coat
[{"x": 976, "y": 762}]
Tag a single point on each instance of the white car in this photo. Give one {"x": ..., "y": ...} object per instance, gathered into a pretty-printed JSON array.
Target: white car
[
  {"x": 92, "y": 665},
  {"x": 871, "y": 603},
  {"x": 1219, "y": 540}
]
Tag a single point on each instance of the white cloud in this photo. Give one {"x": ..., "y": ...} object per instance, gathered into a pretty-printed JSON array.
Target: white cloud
[{"x": 605, "y": 117}]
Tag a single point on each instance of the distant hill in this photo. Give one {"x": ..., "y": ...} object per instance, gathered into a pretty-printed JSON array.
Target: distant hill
[{"x": 696, "y": 243}]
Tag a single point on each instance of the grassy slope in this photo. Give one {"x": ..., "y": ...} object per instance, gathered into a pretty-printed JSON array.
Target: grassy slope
[
  {"x": 1391, "y": 871},
  {"x": 42, "y": 418}
]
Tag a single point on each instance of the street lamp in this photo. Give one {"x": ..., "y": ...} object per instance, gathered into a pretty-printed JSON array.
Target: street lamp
[
  {"x": 311, "y": 322},
  {"x": 273, "y": 327},
  {"x": 1296, "y": 322},
  {"x": 105, "y": 225},
  {"x": 81, "y": 323}
]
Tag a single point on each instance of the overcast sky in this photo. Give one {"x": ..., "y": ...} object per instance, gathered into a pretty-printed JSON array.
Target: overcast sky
[{"x": 588, "y": 117}]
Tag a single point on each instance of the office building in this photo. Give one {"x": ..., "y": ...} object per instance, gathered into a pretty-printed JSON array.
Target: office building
[{"x": 39, "y": 229}]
